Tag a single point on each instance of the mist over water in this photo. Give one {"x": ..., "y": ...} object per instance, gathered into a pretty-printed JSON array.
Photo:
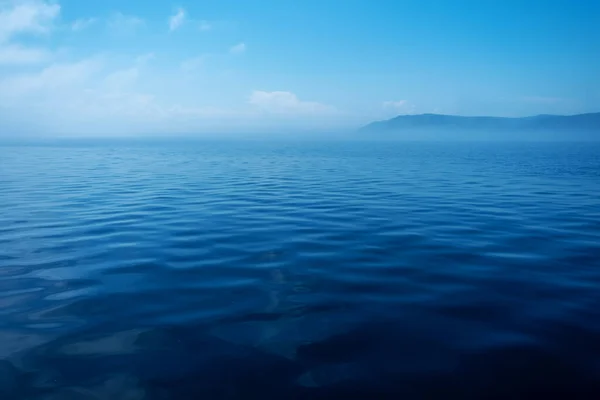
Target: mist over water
[{"x": 299, "y": 270}]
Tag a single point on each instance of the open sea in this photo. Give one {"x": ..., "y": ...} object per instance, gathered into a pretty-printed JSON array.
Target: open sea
[{"x": 299, "y": 270}]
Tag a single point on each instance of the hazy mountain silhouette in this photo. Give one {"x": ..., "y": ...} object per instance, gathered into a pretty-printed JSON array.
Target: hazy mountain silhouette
[{"x": 588, "y": 124}]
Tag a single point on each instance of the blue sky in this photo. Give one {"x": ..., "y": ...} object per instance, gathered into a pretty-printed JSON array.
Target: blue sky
[{"x": 131, "y": 67}]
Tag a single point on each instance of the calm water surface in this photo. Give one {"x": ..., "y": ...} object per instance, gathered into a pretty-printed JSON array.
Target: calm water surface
[{"x": 253, "y": 270}]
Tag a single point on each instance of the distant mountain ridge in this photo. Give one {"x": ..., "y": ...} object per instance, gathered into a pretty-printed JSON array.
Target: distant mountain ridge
[{"x": 544, "y": 122}]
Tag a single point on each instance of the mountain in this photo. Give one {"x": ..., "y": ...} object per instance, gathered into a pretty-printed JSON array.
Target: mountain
[{"x": 586, "y": 123}]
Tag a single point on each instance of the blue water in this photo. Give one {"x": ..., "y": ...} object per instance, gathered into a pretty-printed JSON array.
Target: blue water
[{"x": 296, "y": 270}]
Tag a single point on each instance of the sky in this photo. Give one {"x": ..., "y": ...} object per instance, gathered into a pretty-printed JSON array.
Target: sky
[{"x": 113, "y": 67}]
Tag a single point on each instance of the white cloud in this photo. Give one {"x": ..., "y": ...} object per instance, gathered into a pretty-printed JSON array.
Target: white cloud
[
  {"x": 87, "y": 97},
  {"x": 145, "y": 58},
  {"x": 287, "y": 103},
  {"x": 80, "y": 97},
  {"x": 399, "y": 106},
  {"x": 114, "y": 107},
  {"x": 18, "y": 18},
  {"x": 193, "y": 64},
  {"x": 395, "y": 104},
  {"x": 60, "y": 93},
  {"x": 205, "y": 26},
  {"x": 121, "y": 80},
  {"x": 121, "y": 23},
  {"x": 238, "y": 48},
  {"x": 82, "y": 24},
  {"x": 41, "y": 83},
  {"x": 178, "y": 110},
  {"x": 544, "y": 100},
  {"x": 34, "y": 17},
  {"x": 175, "y": 21},
  {"x": 13, "y": 54}
]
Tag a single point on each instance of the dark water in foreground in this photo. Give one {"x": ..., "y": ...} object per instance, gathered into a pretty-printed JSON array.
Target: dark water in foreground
[{"x": 300, "y": 271}]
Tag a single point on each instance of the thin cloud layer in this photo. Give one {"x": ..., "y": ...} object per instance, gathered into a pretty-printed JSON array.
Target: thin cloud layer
[
  {"x": 15, "y": 54},
  {"x": 93, "y": 92},
  {"x": 205, "y": 25},
  {"x": 121, "y": 23},
  {"x": 287, "y": 103},
  {"x": 238, "y": 48},
  {"x": 82, "y": 24},
  {"x": 97, "y": 68},
  {"x": 34, "y": 17},
  {"x": 399, "y": 107},
  {"x": 177, "y": 20},
  {"x": 20, "y": 20}
]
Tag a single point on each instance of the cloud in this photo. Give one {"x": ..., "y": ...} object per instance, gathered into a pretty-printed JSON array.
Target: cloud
[
  {"x": 287, "y": 103},
  {"x": 61, "y": 92},
  {"x": 82, "y": 24},
  {"x": 205, "y": 26},
  {"x": 145, "y": 58},
  {"x": 544, "y": 100},
  {"x": 79, "y": 97},
  {"x": 238, "y": 48},
  {"x": 88, "y": 97},
  {"x": 399, "y": 106},
  {"x": 123, "y": 79},
  {"x": 178, "y": 110},
  {"x": 181, "y": 17},
  {"x": 13, "y": 54},
  {"x": 19, "y": 18},
  {"x": 121, "y": 23},
  {"x": 34, "y": 17},
  {"x": 175, "y": 21},
  {"x": 193, "y": 64},
  {"x": 395, "y": 104},
  {"x": 16, "y": 87}
]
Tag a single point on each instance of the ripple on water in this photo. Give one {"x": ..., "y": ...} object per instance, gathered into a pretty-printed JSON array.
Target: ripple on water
[{"x": 307, "y": 271}]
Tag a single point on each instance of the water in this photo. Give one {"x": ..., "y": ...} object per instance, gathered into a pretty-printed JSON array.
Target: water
[{"x": 243, "y": 270}]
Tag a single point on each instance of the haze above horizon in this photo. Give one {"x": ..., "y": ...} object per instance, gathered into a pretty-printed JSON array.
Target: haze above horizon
[{"x": 114, "y": 68}]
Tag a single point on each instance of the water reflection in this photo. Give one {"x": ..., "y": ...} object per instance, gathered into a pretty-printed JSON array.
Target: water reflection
[
  {"x": 300, "y": 272},
  {"x": 383, "y": 359}
]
